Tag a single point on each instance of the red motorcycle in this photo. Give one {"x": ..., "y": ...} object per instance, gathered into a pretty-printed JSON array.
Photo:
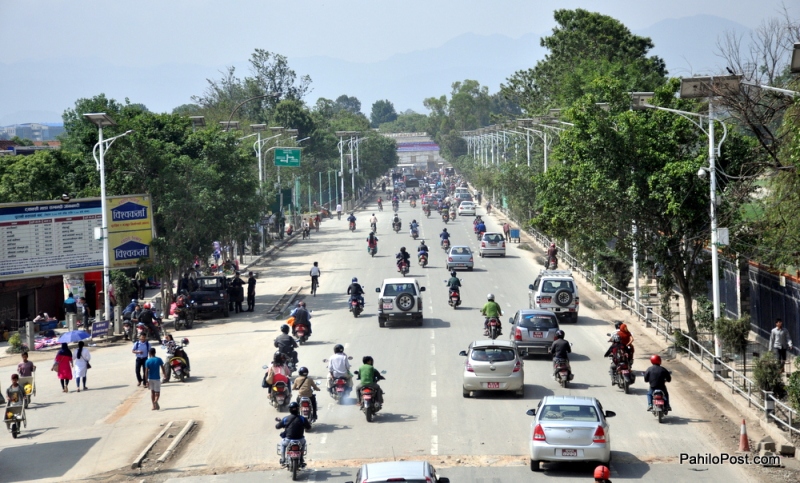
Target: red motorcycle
[
  {"x": 494, "y": 327},
  {"x": 403, "y": 268},
  {"x": 455, "y": 298},
  {"x": 301, "y": 334}
]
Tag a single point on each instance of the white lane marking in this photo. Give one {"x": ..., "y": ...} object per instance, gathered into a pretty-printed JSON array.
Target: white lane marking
[
  {"x": 508, "y": 304},
  {"x": 433, "y": 368},
  {"x": 433, "y": 334},
  {"x": 434, "y": 445},
  {"x": 433, "y": 388},
  {"x": 330, "y": 406},
  {"x": 323, "y": 439},
  {"x": 434, "y": 415},
  {"x": 433, "y": 349},
  {"x": 346, "y": 345}
]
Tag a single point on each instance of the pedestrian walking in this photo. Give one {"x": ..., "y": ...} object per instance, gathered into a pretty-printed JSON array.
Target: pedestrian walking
[
  {"x": 141, "y": 282},
  {"x": 70, "y": 304},
  {"x": 237, "y": 294},
  {"x": 26, "y": 367},
  {"x": 63, "y": 366},
  {"x": 154, "y": 369},
  {"x": 317, "y": 221},
  {"x": 506, "y": 230},
  {"x": 83, "y": 312},
  {"x": 251, "y": 292},
  {"x": 81, "y": 362},
  {"x": 141, "y": 349},
  {"x": 779, "y": 341}
]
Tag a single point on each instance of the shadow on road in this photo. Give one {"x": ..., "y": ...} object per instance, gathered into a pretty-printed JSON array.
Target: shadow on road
[
  {"x": 37, "y": 405},
  {"x": 54, "y": 459},
  {"x": 34, "y": 432},
  {"x": 182, "y": 407},
  {"x": 394, "y": 418},
  {"x": 584, "y": 320},
  {"x": 327, "y": 428},
  {"x": 104, "y": 388}
]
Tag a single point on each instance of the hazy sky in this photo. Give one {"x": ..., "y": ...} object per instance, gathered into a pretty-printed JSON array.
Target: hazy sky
[{"x": 151, "y": 32}]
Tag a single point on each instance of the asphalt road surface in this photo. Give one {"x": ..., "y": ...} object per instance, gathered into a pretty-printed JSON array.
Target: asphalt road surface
[{"x": 72, "y": 436}]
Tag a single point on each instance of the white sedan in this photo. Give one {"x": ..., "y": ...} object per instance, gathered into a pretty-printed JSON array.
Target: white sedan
[{"x": 466, "y": 208}]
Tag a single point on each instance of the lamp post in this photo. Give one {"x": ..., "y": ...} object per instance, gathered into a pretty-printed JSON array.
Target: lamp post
[
  {"x": 342, "y": 135},
  {"x": 794, "y": 66},
  {"x": 227, "y": 125},
  {"x": 101, "y": 119}
]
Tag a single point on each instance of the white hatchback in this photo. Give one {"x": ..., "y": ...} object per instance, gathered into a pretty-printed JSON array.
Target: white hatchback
[{"x": 466, "y": 208}]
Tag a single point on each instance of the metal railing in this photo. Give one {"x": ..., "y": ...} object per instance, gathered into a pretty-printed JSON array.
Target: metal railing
[{"x": 782, "y": 415}]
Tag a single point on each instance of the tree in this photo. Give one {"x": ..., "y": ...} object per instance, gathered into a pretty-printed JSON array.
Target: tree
[
  {"x": 406, "y": 122},
  {"x": 349, "y": 104},
  {"x": 382, "y": 112},
  {"x": 44, "y": 175},
  {"x": 584, "y": 46}
]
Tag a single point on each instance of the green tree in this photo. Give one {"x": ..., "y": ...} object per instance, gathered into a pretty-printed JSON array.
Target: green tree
[
  {"x": 406, "y": 122},
  {"x": 382, "y": 112},
  {"x": 44, "y": 175},
  {"x": 584, "y": 46},
  {"x": 349, "y": 104}
]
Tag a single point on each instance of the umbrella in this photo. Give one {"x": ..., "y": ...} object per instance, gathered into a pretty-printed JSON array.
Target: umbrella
[{"x": 74, "y": 336}]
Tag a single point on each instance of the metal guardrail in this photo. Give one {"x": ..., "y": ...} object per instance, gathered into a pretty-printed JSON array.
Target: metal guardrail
[{"x": 778, "y": 412}]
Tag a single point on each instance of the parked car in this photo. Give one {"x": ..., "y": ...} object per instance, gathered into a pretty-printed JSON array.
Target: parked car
[
  {"x": 400, "y": 298},
  {"x": 460, "y": 257},
  {"x": 556, "y": 291},
  {"x": 569, "y": 429},
  {"x": 493, "y": 365},
  {"x": 466, "y": 208},
  {"x": 533, "y": 331},
  {"x": 211, "y": 295},
  {"x": 493, "y": 244},
  {"x": 412, "y": 471}
]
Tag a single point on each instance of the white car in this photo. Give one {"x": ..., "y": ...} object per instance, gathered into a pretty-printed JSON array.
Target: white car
[
  {"x": 414, "y": 471},
  {"x": 400, "y": 298},
  {"x": 466, "y": 208},
  {"x": 492, "y": 244},
  {"x": 493, "y": 365}
]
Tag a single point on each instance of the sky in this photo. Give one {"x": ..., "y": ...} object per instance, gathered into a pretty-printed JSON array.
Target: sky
[{"x": 147, "y": 33}]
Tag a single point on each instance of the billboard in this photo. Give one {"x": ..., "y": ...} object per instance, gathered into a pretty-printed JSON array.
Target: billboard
[{"x": 45, "y": 238}]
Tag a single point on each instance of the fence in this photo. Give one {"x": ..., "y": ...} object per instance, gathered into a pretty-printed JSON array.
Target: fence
[{"x": 781, "y": 414}]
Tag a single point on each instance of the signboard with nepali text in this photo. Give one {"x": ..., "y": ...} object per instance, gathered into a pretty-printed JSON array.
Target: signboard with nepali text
[{"x": 130, "y": 230}]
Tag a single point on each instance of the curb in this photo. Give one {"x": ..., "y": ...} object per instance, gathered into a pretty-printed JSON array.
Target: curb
[
  {"x": 177, "y": 441},
  {"x": 138, "y": 461}
]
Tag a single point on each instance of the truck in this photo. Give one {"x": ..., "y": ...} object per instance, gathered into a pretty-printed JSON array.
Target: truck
[{"x": 212, "y": 295}]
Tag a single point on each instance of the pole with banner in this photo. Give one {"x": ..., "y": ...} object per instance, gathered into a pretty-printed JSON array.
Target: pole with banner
[{"x": 287, "y": 157}]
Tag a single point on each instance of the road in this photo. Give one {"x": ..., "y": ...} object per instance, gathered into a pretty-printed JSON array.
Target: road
[{"x": 424, "y": 416}]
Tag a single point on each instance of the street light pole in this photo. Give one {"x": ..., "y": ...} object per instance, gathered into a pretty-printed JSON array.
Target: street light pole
[{"x": 714, "y": 253}]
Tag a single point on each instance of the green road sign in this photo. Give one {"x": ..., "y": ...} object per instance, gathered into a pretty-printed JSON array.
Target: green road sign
[{"x": 287, "y": 157}]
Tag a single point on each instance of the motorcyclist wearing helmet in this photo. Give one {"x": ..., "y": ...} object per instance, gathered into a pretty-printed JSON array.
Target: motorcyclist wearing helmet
[
  {"x": 480, "y": 227},
  {"x": 339, "y": 366},
  {"x": 560, "y": 350},
  {"x": 146, "y": 318},
  {"x": 355, "y": 291},
  {"x": 414, "y": 227},
  {"x": 491, "y": 310},
  {"x": 351, "y": 218},
  {"x": 396, "y": 223},
  {"x": 286, "y": 344},
  {"x": 305, "y": 387},
  {"x": 602, "y": 474},
  {"x": 294, "y": 426},
  {"x": 278, "y": 371},
  {"x": 444, "y": 235},
  {"x": 454, "y": 284},
  {"x": 369, "y": 377},
  {"x": 403, "y": 256},
  {"x": 422, "y": 250},
  {"x": 658, "y": 377},
  {"x": 301, "y": 317}
]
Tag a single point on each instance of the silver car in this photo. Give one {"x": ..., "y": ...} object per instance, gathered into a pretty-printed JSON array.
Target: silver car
[
  {"x": 466, "y": 208},
  {"x": 411, "y": 471},
  {"x": 460, "y": 257},
  {"x": 533, "y": 331},
  {"x": 569, "y": 429},
  {"x": 493, "y": 365},
  {"x": 493, "y": 244}
]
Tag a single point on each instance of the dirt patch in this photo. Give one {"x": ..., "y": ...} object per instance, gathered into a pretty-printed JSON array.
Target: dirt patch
[{"x": 126, "y": 406}]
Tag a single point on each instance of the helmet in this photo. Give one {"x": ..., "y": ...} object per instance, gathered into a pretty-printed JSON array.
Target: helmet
[
  {"x": 402, "y": 249},
  {"x": 277, "y": 358},
  {"x": 617, "y": 324},
  {"x": 552, "y": 245},
  {"x": 303, "y": 371},
  {"x": 185, "y": 341},
  {"x": 615, "y": 338},
  {"x": 285, "y": 329},
  {"x": 294, "y": 408},
  {"x": 338, "y": 349},
  {"x": 560, "y": 334},
  {"x": 301, "y": 304},
  {"x": 413, "y": 221},
  {"x": 490, "y": 296},
  {"x": 355, "y": 280},
  {"x": 146, "y": 305},
  {"x": 602, "y": 473},
  {"x": 373, "y": 214},
  {"x": 422, "y": 242},
  {"x": 655, "y": 359},
  {"x": 452, "y": 273},
  {"x": 134, "y": 301},
  {"x": 445, "y": 230}
]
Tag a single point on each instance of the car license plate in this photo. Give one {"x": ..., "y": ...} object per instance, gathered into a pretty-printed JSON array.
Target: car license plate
[
  {"x": 492, "y": 244},
  {"x": 387, "y": 305},
  {"x": 493, "y": 385},
  {"x": 569, "y": 452},
  {"x": 546, "y": 300},
  {"x": 538, "y": 335},
  {"x": 461, "y": 264}
]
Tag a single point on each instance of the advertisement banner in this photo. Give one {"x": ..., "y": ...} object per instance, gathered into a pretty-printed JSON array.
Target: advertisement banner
[
  {"x": 130, "y": 230},
  {"x": 128, "y": 248}
]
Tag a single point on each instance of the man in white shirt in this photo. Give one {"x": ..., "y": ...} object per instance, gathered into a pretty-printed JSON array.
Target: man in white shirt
[
  {"x": 339, "y": 211},
  {"x": 373, "y": 223},
  {"x": 339, "y": 366}
]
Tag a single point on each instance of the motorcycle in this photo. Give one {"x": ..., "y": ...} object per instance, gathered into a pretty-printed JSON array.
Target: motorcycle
[
  {"x": 659, "y": 405},
  {"x": 414, "y": 234},
  {"x": 452, "y": 214},
  {"x": 373, "y": 227},
  {"x": 552, "y": 264},
  {"x": 446, "y": 244},
  {"x": 413, "y": 203},
  {"x": 396, "y": 227},
  {"x": 150, "y": 334},
  {"x": 305, "y": 407},
  {"x": 479, "y": 234},
  {"x": 177, "y": 365},
  {"x": 427, "y": 212},
  {"x": 369, "y": 400},
  {"x": 494, "y": 327},
  {"x": 621, "y": 374},
  {"x": 280, "y": 395},
  {"x": 356, "y": 307},
  {"x": 395, "y": 207},
  {"x": 454, "y": 299},
  {"x": 403, "y": 268},
  {"x": 423, "y": 260},
  {"x": 301, "y": 334},
  {"x": 372, "y": 249},
  {"x": 184, "y": 316},
  {"x": 295, "y": 450},
  {"x": 488, "y": 208},
  {"x": 445, "y": 217},
  {"x": 562, "y": 371},
  {"x": 352, "y": 226}
]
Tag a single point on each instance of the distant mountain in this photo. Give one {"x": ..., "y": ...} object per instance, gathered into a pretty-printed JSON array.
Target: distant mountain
[{"x": 43, "y": 90}]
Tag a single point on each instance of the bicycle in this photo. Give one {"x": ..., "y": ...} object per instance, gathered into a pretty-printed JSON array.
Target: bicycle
[{"x": 314, "y": 285}]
